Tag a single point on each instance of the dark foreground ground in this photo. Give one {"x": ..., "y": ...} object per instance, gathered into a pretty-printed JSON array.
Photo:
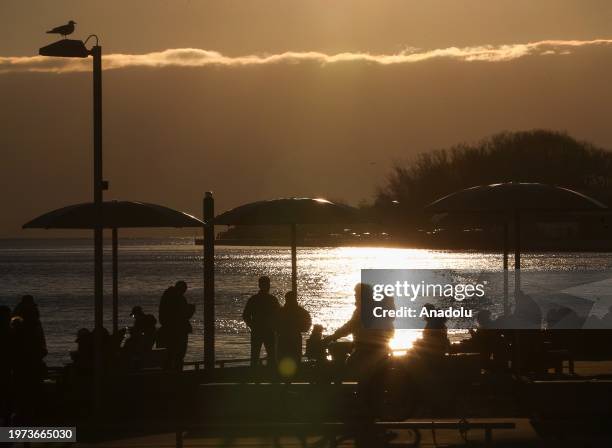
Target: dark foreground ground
[
  {"x": 524, "y": 435},
  {"x": 554, "y": 411}
]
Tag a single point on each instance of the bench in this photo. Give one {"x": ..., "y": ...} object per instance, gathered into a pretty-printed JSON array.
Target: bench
[{"x": 332, "y": 430}]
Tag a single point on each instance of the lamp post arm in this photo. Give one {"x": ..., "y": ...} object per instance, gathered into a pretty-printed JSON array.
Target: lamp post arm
[{"x": 94, "y": 36}]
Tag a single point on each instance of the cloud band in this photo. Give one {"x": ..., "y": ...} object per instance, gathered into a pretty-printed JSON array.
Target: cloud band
[{"x": 193, "y": 57}]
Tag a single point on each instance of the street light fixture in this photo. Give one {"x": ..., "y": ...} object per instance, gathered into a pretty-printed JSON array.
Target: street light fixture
[
  {"x": 66, "y": 48},
  {"x": 71, "y": 48}
]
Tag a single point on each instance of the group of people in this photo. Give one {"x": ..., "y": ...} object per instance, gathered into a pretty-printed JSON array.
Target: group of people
[
  {"x": 277, "y": 328},
  {"x": 130, "y": 348},
  {"x": 117, "y": 350}
]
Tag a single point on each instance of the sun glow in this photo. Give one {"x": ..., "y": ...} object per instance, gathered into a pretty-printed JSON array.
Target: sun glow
[
  {"x": 403, "y": 341},
  {"x": 343, "y": 276},
  {"x": 336, "y": 272}
]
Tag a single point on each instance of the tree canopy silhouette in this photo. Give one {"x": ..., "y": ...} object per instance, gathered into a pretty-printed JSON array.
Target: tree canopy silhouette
[{"x": 531, "y": 156}]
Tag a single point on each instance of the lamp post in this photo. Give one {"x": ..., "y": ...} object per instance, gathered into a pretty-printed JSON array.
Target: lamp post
[
  {"x": 209, "y": 280},
  {"x": 70, "y": 48}
]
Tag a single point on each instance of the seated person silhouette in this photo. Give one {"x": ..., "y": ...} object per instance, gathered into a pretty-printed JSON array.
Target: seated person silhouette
[
  {"x": 434, "y": 342},
  {"x": 83, "y": 356},
  {"x": 315, "y": 348},
  {"x": 142, "y": 332},
  {"x": 488, "y": 342}
]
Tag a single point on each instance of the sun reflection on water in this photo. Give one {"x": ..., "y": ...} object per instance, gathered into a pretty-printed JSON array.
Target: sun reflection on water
[{"x": 340, "y": 269}]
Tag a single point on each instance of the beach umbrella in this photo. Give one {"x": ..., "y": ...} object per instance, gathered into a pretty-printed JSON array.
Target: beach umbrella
[
  {"x": 509, "y": 201},
  {"x": 290, "y": 212},
  {"x": 116, "y": 215}
]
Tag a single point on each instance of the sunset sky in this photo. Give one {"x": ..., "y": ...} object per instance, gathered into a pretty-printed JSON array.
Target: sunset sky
[{"x": 261, "y": 99}]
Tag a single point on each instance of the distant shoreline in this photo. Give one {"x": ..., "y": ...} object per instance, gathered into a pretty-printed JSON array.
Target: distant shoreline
[
  {"x": 578, "y": 246},
  {"x": 596, "y": 246}
]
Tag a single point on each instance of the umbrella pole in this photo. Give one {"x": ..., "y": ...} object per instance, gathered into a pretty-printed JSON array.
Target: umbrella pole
[
  {"x": 294, "y": 259},
  {"x": 517, "y": 362},
  {"x": 115, "y": 281},
  {"x": 506, "y": 306},
  {"x": 517, "y": 251}
]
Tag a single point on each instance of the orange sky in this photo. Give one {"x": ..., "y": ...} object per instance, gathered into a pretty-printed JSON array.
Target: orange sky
[
  {"x": 255, "y": 26},
  {"x": 295, "y": 127}
]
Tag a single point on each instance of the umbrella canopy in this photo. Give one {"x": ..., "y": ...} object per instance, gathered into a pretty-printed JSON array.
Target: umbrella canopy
[
  {"x": 116, "y": 214},
  {"x": 288, "y": 211},
  {"x": 510, "y": 200},
  {"x": 515, "y": 196}
]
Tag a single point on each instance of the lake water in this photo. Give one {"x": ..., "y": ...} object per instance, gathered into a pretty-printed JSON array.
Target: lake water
[{"x": 59, "y": 273}]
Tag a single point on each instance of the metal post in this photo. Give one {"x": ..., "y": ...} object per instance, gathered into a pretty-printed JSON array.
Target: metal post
[
  {"x": 506, "y": 305},
  {"x": 96, "y": 52},
  {"x": 517, "y": 253},
  {"x": 294, "y": 259},
  {"x": 115, "y": 281},
  {"x": 517, "y": 362},
  {"x": 517, "y": 240},
  {"x": 209, "y": 280}
]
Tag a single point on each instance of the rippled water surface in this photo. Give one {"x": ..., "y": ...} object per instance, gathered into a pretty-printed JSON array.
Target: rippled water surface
[{"x": 59, "y": 273}]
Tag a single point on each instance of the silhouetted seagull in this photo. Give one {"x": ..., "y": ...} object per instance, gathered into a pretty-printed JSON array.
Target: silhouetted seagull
[{"x": 64, "y": 30}]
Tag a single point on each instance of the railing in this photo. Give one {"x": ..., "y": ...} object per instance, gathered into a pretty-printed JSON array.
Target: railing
[{"x": 221, "y": 363}]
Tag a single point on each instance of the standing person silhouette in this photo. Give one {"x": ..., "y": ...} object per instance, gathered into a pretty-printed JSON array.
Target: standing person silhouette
[
  {"x": 293, "y": 320},
  {"x": 5, "y": 366},
  {"x": 29, "y": 349},
  {"x": 174, "y": 315},
  {"x": 261, "y": 316}
]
